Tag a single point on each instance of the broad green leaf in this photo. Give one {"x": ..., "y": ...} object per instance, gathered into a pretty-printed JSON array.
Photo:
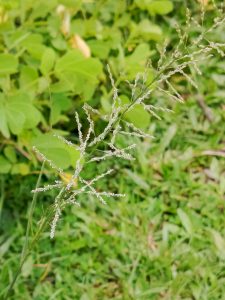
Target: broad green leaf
[
  {"x": 77, "y": 26},
  {"x": 43, "y": 84},
  {"x": 136, "y": 62},
  {"x": 20, "y": 168},
  {"x": 112, "y": 7},
  {"x": 149, "y": 31},
  {"x": 59, "y": 43},
  {"x": 76, "y": 4},
  {"x": 15, "y": 38},
  {"x": 8, "y": 64},
  {"x": 141, "y": 3},
  {"x": 5, "y": 165},
  {"x": 41, "y": 8},
  {"x": 28, "y": 79},
  {"x": 61, "y": 86},
  {"x": 92, "y": 26},
  {"x": 80, "y": 72},
  {"x": 34, "y": 45},
  {"x": 161, "y": 7},
  {"x": 47, "y": 61},
  {"x": 137, "y": 115},
  {"x": 99, "y": 48},
  {"x": 54, "y": 149},
  {"x": 33, "y": 39},
  {"x": 59, "y": 103},
  {"x": 185, "y": 220},
  {"x": 15, "y": 118},
  {"x": 10, "y": 153},
  {"x": 23, "y": 103},
  {"x": 36, "y": 51},
  {"x": 17, "y": 112}
]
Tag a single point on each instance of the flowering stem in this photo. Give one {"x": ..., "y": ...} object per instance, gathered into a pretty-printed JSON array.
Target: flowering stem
[
  {"x": 27, "y": 248},
  {"x": 30, "y": 214}
]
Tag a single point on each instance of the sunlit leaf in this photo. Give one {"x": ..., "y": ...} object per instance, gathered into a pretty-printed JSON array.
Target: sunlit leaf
[
  {"x": 55, "y": 150},
  {"x": 5, "y": 165},
  {"x": 8, "y": 64},
  {"x": 80, "y": 72},
  {"x": 47, "y": 60}
]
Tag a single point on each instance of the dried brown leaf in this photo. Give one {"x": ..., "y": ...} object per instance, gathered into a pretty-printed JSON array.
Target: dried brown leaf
[{"x": 77, "y": 42}]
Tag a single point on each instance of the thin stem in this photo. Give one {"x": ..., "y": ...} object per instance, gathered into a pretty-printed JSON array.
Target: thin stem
[
  {"x": 24, "y": 258},
  {"x": 25, "y": 251},
  {"x": 2, "y": 195},
  {"x": 43, "y": 223},
  {"x": 30, "y": 214}
]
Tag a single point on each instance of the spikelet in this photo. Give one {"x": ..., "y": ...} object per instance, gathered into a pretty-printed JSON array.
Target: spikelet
[
  {"x": 135, "y": 131},
  {"x": 47, "y": 187},
  {"x": 65, "y": 141},
  {"x": 98, "y": 195},
  {"x": 54, "y": 222},
  {"x": 115, "y": 90},
  {"x": 79, "y": 126},
  {"x": 44, "y": 158},
  {"x": 106, "y": 194}
]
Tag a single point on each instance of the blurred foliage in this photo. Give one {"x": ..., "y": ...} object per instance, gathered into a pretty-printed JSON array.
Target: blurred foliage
[{"x": 53, "y": 59}]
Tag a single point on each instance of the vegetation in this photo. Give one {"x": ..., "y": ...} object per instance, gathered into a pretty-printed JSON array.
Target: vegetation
[{"x": 165, "y": 238}]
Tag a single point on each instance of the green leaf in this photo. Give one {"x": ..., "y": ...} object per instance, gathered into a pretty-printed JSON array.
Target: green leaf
[
  {"x": 185, "y": 220},
  {"x": 32, "y": 40},
  {"x": 61, "y": 86},
  {"x": 219, "y": 242},
  {"x": 8, "y": 64},
  {"x": 34, "y": 45},
  {"x": 15, "y": 38},
  {"x": 17, "y": 112},
  {"x": 139, "y": 181},
  {"x": 54, "y": 149},
  {"x": 141, "y": 3},
  {"x": 20, "y": 168},
  {"x": 149, "y": 31},
  {"x": 161, "y": 7},
  {"x": 28, "y": 79},
  {"x": 47, "y": 61},
  {"x": 5, "y": 165},
  {"x": 6, "y": 245},
  {"x": 99, "y": 48},
  {"x": 10, "y": 153},
  {"x": 59, "y": 43},
  {"x": 15, "y": 118},
  {"x": 137, "y": 115},
  {"x": 23, "y": 103},
  {"x": 3, "y": 120},
  {"x": 60, "y": 103},
  {"x": 27, "y": 267},
  {"x": 81, "y": 73},
  {"x": 168, "y": 136},
  {"x": 136, "y": 62}
]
